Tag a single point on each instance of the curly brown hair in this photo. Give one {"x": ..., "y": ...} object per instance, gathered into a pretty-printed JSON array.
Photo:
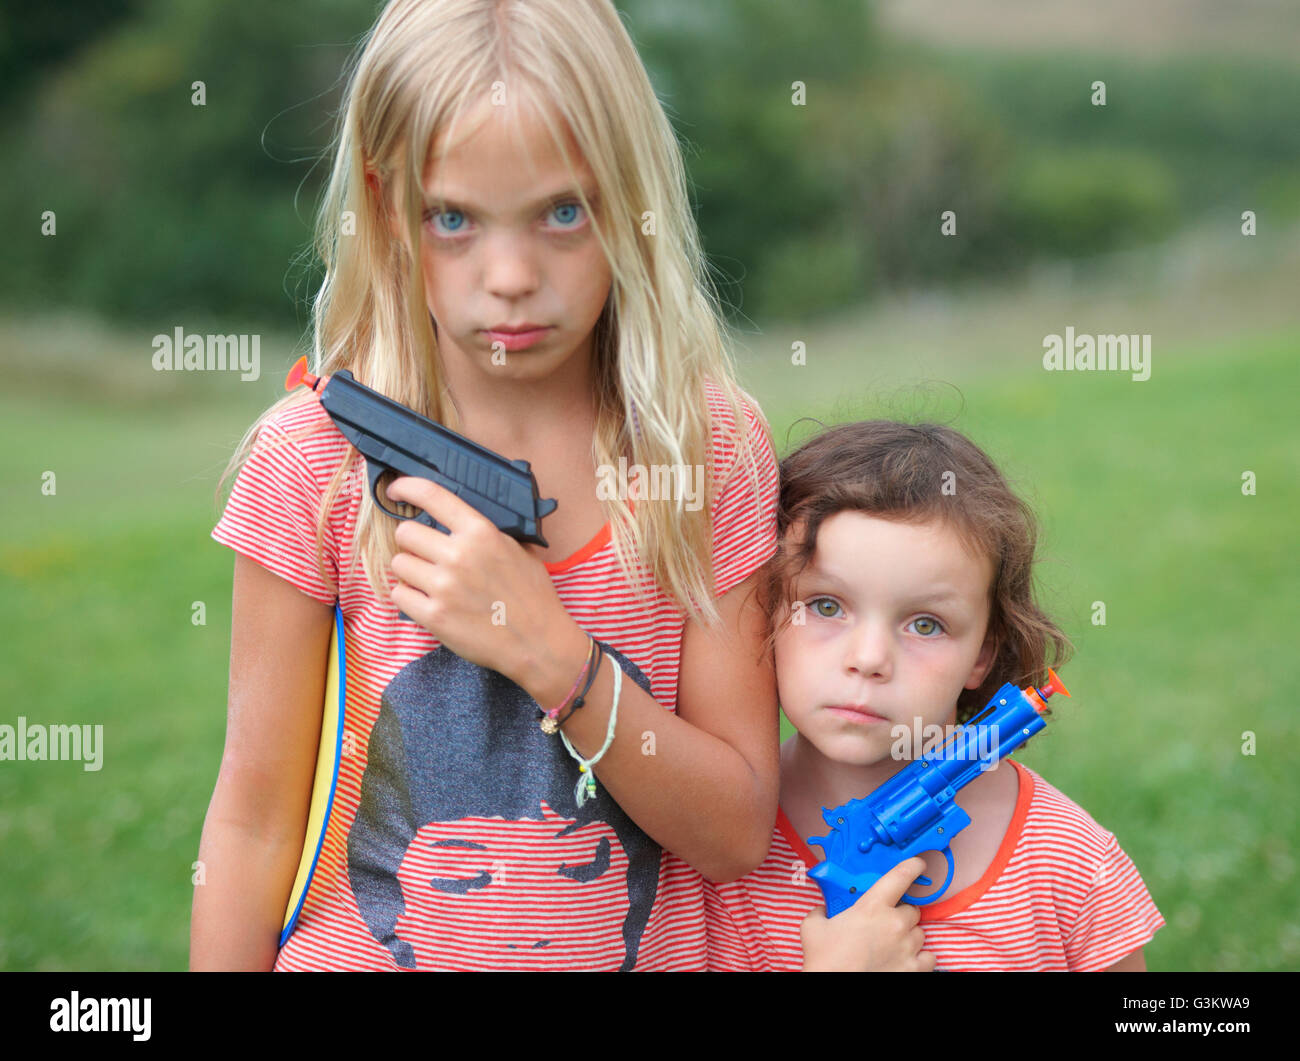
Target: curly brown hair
[{"x": 898, "y": 471}]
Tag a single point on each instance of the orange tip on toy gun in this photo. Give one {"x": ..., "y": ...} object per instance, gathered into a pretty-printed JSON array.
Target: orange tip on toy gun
[{"x": 914, "y": 811}]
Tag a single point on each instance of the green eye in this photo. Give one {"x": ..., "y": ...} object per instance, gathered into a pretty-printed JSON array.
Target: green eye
[
  {"x": 817, "y": 604},
  {"x": 925, "y": 626}
]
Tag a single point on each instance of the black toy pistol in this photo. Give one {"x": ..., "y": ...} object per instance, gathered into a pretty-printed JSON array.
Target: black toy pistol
[{"x": 398, "y": 441}]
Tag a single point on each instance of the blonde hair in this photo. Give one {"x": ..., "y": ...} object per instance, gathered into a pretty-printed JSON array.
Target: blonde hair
[{"x": 661, "y": 334}]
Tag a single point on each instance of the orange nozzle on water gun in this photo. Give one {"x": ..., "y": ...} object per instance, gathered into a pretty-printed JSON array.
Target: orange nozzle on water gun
[
  {"x": 1038, "y": 697},
  {"x": 299, "y": 374}
]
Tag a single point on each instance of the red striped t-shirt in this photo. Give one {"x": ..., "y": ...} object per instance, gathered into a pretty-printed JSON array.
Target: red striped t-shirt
[
  {"x": 455, "y": 841},
  {"x": 1060, "y": 894}
]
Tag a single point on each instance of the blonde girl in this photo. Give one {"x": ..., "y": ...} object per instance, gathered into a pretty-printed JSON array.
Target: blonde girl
[{"x": 509, "y": 250}]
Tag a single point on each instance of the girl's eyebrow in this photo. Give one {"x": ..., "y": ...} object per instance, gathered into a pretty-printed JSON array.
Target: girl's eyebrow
[
  {"x": 433, "y": 199},
  {"x": 940, "y": 593},
  {"x": 946, "y": 598}
]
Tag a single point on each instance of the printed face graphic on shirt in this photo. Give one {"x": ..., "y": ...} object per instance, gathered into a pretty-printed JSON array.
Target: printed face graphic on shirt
[
  {"x": 463, "y": 881},
  {"x": 467, "y": 840}
]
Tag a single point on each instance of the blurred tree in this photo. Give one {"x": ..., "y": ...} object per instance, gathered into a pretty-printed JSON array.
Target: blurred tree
[
  {"x": 34, "y": 37},
  {"x": 905, "y": 144},
  {"x": 821, "y": 157},
  {"x": 726, "y": 71},
  {"x": 165, "y": 205}
]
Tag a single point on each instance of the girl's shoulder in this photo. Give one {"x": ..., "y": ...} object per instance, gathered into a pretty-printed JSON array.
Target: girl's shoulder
[
  {"x": 720, "y": 413},
  {"x": 725, "y": 434},
  {"x": 303, "y": 420},
  {"x": 299, "y": 443},
  {"x": 1057, "y": 826},
  {"x": 1073, "y": 863}
]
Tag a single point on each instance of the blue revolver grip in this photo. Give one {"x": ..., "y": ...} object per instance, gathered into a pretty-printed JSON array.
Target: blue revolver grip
[{"x": 853, "y": 865}]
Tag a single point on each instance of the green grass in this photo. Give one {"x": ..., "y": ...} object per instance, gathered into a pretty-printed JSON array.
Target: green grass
[{"x": 1139, "y": 489}]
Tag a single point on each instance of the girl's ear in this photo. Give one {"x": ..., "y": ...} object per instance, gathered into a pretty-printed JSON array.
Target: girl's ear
[{"x": 983, "y": 662}]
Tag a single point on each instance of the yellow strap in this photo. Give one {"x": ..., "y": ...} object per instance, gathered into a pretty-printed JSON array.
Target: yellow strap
[{"x": 323, "y": 784}]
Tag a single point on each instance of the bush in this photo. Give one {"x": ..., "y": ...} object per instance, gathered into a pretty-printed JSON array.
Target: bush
[
  {"x": 1063, "y": 202},
  {"x": 905, "y": 145}
]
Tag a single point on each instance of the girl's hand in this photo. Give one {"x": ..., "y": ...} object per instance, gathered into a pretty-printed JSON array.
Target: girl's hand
[
  {"x": 477, "y": 590},
  {"x": 875, "y": 934}
]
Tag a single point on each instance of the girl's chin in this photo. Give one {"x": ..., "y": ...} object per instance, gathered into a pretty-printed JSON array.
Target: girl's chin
[{"x": 851, "y": 749}]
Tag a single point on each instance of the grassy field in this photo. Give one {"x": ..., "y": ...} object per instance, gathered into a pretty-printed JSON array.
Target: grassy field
[{"x": 1138, "y": 485}]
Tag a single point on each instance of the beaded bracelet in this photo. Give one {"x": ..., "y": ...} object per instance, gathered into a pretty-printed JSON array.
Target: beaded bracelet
[
  {"x": 550, "y": 723},
  {"x": 573, "y": 688},
  {"x": 582, "y": 696},
  {"x": 586, "y": 786}
]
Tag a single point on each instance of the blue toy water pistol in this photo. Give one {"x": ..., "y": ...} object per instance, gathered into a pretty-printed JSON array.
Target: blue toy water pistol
[{"x": 914, "y": 811}]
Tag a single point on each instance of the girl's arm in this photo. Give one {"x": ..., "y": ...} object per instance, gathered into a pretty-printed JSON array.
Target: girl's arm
[
  {"x": 702, "y": 782},
  {"x": 257, "y": 820},
  {"x": 1130, "y": 963}
]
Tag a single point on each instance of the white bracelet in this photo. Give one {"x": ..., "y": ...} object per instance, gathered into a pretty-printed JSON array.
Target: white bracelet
[{"x": 586, "y": 787}]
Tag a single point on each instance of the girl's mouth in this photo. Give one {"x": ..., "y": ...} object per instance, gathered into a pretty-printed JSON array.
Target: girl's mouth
[
  {"x": 517, "y": 340},
  {"x": 855, "y": 714}
]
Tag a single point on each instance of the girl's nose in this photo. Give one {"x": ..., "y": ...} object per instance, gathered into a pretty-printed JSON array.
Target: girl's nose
[
  {"x": 869, "y": 651},
  {"x": 512, "y": 268}
]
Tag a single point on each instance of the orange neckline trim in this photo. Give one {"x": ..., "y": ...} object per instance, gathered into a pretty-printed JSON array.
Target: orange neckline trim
[
  {"x": 594, "y": 546},
  {"x": 971, "y": 893},
  {"x": 590, "y": 549}
]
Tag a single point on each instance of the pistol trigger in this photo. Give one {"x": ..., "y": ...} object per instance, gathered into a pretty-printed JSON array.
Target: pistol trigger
[
  {"x": 374, "y": 471},
  {"x": 429, "y": 521}
]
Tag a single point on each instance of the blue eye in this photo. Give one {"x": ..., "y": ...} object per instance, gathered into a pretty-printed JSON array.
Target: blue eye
[
  {"x": 927, "y": 626},
  {"x": 453, "y": 222},
  {"x": 435, "y": 214},
  {"x": 567, "y": 206}
]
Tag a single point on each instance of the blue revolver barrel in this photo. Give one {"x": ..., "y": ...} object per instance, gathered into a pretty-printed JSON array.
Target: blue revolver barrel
[{"x": 915, "y": 810}]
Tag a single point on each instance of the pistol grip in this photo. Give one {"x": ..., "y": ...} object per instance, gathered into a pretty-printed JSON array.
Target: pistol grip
[
  {"x": 375, "y": 471},
  {"x": 428, "y": 521}
]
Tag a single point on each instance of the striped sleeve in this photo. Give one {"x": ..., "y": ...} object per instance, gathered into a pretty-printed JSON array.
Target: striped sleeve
[
  {"x": 744, "y": 526},
  {"x": 1116, "y": 917},
  {"x": 271, "y": 514}
]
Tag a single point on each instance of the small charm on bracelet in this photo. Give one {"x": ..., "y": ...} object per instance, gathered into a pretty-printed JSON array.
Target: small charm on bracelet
[{"x": 549, "y": 725}]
